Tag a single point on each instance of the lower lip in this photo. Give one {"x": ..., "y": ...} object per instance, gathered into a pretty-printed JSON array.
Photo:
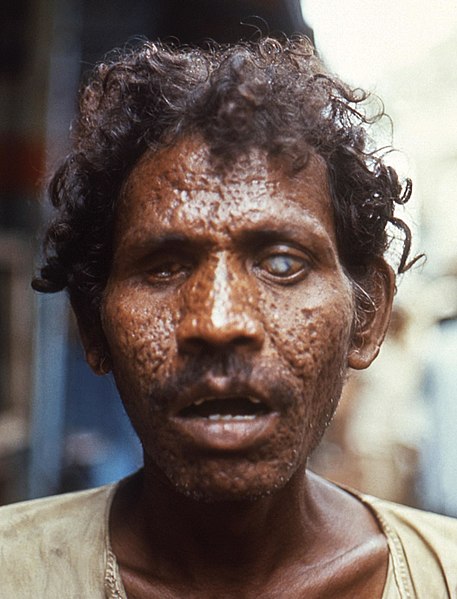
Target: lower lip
[{"x": 226, "y": 435}]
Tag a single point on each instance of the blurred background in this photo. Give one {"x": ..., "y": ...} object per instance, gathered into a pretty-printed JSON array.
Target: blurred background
[{"x": 395, "y": 432}]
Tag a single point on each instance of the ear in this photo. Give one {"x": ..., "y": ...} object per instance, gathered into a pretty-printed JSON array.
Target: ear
[
  {"x": 373, "y": 315},
  {"x": 95, "y": 345}
]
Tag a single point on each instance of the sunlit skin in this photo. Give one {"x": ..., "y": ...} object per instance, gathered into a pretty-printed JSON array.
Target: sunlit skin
[{"x": 229, "y": 321}]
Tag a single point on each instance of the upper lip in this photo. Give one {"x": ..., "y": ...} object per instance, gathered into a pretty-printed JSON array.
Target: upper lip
[{"x": 220, "y": 388}]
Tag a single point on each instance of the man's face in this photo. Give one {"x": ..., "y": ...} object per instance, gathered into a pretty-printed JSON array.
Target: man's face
[{"x": 228, "y": 317}]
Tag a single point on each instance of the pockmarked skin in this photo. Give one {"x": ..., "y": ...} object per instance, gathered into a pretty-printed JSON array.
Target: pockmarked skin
[
  {"x": 227, "y": 283},
  {"x": 230, "y": 323}
]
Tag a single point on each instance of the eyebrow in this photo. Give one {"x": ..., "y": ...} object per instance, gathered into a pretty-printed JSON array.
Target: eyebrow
[
  {"x": 167, "y": 242},
  {"x": 264, "y": 236},
  {"x": 296, "y": 224},
  {"x": 257, "y": 234}
]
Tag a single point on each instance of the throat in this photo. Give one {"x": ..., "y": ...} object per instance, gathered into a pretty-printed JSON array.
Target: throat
[{"x": 155, "y": 530}]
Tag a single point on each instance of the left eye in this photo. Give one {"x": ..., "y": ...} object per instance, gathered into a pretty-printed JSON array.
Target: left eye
[
  {"x": 167, "y": 270},
  {"x": 285, "y": 267}
]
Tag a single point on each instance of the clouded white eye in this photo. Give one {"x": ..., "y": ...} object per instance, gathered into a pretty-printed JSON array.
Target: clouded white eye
[{"x": 283, "y": 265}]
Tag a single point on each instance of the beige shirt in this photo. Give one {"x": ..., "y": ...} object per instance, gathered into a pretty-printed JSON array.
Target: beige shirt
[{"x": 59, "y": 548}]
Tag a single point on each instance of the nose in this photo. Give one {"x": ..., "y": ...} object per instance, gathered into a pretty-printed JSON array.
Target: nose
[{"x": 219, "y": 310}]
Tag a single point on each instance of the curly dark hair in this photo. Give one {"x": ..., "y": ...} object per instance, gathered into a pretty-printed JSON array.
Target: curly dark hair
[{"x": 274, "y": 95}]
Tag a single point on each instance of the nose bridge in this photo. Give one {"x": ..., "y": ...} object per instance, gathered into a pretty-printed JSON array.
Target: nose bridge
[
  {"x": 220, "y": 306},
  {"x": 225, "y": 297}
]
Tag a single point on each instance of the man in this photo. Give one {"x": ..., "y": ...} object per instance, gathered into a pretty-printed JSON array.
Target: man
[{"x": 221, "y": 230}]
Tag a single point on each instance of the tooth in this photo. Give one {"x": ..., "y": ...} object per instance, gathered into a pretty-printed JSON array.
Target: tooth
[
  {"x": 198, "y": 402},
  {"x": 231, "y": 417},
  {"x": 254, "y": 400}
]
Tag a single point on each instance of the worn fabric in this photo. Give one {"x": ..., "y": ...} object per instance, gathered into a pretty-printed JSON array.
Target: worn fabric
[{"x": 58, "y": 548}]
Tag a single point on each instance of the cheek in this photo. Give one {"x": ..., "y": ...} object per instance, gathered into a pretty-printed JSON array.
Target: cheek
[
  {"x": 139, "y": 335},
  {"x": 310, "y": 337},
  {"x": 310, "y": 345}
]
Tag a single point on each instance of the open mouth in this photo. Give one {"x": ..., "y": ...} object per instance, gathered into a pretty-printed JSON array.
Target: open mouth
[
  {"x": 227, "y": 408},
  {"x": 225, "y": 421}
]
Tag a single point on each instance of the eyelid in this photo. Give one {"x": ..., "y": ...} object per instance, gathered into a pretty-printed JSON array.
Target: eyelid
[{"x": 284, "y": 248}]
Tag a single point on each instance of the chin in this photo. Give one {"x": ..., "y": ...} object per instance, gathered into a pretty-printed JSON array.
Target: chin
[{"x": 226, "y": 480}]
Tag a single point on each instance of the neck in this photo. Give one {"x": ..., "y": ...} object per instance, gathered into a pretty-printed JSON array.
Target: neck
[
  {"x": 225, "y": 538},
  {"x": 309, "y": 537}
]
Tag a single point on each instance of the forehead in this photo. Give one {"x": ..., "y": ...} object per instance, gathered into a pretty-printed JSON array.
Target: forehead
[{"x": 180, "y": 186}]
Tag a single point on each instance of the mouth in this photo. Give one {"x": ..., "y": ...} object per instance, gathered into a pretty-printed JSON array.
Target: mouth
[
  {"x": 226, "y": 420},
  {"x": 226, "y": 408}
]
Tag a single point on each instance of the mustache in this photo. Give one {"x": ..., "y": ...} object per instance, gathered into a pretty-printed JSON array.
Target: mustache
[{"x": 238, "y": 370}]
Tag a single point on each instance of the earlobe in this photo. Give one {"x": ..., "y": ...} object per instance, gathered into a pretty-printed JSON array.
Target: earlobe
[
  {"x": 373, "y": 316},
  {"x": 92, "y": 358},
  {"x": 95, "y": 346},
  {"x": 99, "y": 360}
]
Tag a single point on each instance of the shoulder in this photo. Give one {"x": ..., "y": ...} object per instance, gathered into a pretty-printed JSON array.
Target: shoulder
[
  {"x": 52, "y": 516},
  {"x": 423, "y": 545},
  {"x": 42, "y": 541},
  {"x": 416, "y": 525}
]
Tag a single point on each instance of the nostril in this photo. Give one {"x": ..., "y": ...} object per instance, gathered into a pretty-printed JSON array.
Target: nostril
[
  {"x": 202, "y": 345},
  {"x": 195, "y": 345},
  {"x": 240, "y": 341}
]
